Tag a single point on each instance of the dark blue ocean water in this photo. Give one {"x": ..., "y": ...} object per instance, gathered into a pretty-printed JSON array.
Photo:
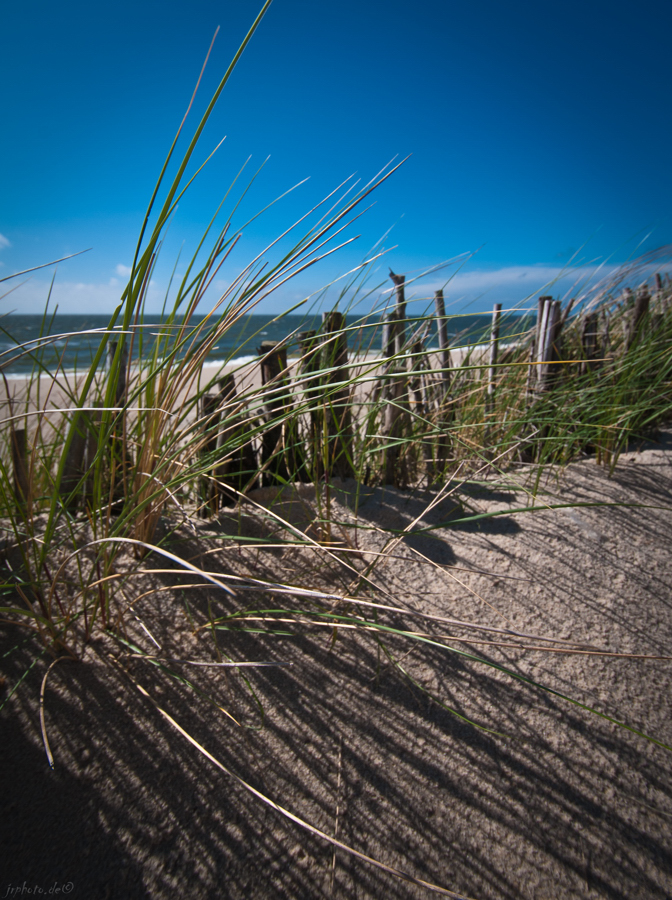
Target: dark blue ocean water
[{"x": 29, "y": 344}]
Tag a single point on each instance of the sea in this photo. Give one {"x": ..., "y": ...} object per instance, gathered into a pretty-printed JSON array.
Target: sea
[{"x": 29, "y": 343}]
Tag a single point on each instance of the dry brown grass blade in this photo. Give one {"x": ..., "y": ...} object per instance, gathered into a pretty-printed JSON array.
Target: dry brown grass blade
[
  {"x": 43, "y": 727},
  {"x": 405, "y": 876}
]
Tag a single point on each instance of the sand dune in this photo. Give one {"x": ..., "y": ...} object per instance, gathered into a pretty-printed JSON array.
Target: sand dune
[{"x": 515, "y": 793}]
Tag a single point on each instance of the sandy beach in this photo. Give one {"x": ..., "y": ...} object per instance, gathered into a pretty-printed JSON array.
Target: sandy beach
[{"x": 25, "y": 394}]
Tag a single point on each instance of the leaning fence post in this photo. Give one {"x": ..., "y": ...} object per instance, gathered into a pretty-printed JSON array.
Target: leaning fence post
[{"x": 19, "y": 438}]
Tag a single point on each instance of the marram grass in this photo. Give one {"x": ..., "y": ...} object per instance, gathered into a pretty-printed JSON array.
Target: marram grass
[{"x": 154, "y": 459}]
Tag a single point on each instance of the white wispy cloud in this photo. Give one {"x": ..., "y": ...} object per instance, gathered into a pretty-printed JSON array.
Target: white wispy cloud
[
  {"x": 4, "y": 242},
  {"x": 517, "y": 287},
  {"x": 468, "y": 290},
  {"x": 70, "y": 297},
  {"x": 122, "y": 270}
]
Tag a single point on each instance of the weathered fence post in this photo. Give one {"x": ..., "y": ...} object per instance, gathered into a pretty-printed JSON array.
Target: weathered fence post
[
  {"x": 337, "y": 454},
  {"x": 92, "y": 441},
  {"x": 19, "y": 439},
  {"x": 120, "y": 385},
  {"x": 639, "y": 311},
  {"x": 534, "y": 373},
  {"x": 237, "y": 465},
  {"x": 309, "y": 366},
  {"x": 388, "y": 349},
  {"x": 395, "y": 425},
  {"x": 309, "y": 363},
  {"x": 531, "y": 372},
  {"x": 547, "y": 337},
  {"x": 396, "y": 417},
  {"x": 389, "y": 335},
  {"x": 590, "y": 342},
  {"x": 565, "y": 314},
  {"x": 282, "y": 458},
  {"x": 208, "y": 417},
  {"x": 494, "y": 354},
  {"x": 75, "y": 469},
  {"x": 446, "y": 410},
  {"x": 418, "y": 388},
  {"x": 121, "y": 462},
  {"x": 416, "y": 382},
  {"x": 399, "y": 282},
  {"x": 273, "y": 365},
  {"x": 542, "y": 311},
  {"x": 444, "y": 347}
]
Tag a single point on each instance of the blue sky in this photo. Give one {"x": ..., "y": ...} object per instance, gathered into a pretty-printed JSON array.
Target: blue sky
[{"x": 536, "y": 132}]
